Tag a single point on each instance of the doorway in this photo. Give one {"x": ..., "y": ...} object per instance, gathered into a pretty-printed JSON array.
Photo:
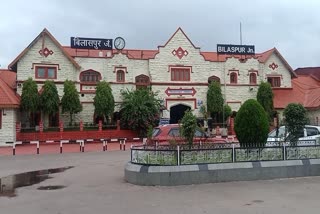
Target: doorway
[{"x": 177, "y": 113}]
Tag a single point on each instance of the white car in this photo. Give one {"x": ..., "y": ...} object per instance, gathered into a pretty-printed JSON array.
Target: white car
[{"x": 310, "y": 135}]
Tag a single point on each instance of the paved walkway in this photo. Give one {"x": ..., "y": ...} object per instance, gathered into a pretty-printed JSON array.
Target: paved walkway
[{"x": 96, "y": 185}]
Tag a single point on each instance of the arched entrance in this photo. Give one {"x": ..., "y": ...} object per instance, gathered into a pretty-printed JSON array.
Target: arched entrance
[{"x": 177, "y": 112}]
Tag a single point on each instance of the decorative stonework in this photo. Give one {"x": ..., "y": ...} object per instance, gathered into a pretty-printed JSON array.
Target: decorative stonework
[
  {"x": 45, "y": 52},
  {"x": 180, "y": 52},
  {"x": 273, "y": 66}
]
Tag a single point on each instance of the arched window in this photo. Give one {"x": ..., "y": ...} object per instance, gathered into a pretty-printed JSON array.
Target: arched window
[
  {"x": 120, "y": 76},
  {"x": 233, "y": 78},
  {"x": 90, "y": 76},
  {"x": 142, "y": 81},
  {"x": 213, "y": 78},
  {"x": 253, "y": 78}
]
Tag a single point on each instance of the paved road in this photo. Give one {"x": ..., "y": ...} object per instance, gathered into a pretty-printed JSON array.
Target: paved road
[{"x": 96, "y": 185}]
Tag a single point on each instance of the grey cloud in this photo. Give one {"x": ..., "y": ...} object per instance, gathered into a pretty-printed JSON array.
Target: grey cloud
[{"x": 291, "y": 26}]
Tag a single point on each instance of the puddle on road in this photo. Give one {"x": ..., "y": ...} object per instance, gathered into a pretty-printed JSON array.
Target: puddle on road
[
  {"x": 52, "y": 187},
  {"x": 9, "y": 184}
]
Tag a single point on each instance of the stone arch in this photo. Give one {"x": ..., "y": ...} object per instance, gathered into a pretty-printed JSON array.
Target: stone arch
[
  {"x": 213, "y": 78},
  {"x": 177, "y": 111}
]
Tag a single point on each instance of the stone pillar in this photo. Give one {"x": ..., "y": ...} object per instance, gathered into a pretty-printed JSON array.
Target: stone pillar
[
  {"x": 61, "y": 126},
  {"x": 100, "y": 125},
  {"x": 81, "y": 125},
  {"x": 18, "y": 127},
  {"x": 118, "y": 124},
  {"x": 41, "y": 126},
  {"x": 232, "y": 126}
]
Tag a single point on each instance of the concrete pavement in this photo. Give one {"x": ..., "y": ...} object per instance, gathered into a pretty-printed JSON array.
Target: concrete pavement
[{"x": 96, "y": 185}]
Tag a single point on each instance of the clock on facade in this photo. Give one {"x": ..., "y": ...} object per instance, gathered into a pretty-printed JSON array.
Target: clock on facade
[{"x": 119, "y": 43}]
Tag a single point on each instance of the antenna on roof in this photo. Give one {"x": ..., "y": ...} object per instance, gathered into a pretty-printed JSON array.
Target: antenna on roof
[{"x": 240, "y": 34}]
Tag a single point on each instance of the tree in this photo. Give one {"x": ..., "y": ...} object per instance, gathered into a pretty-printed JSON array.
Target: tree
[
  {"x": 265, "y": 98},
  {"x": 70, "y": 101},
  {"x": 226, "y": 112},
  {"x": 49, "y": 98},
  {"x": 251, "y": 124},
  {"x": 295, "y": 120},
  {"x": 140, "y": 109},
  {"x": 29, "y": 97},
  {"x": 188, "y": 127},
  {"x": 214, "y": 99},
  {"x": 103, "y": 101}
]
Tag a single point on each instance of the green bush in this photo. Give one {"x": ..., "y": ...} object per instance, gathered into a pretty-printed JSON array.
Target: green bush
[
  {"x": 188, "y": 127},
  {"x": 295, "y": 120},
  {"x": 251, "y": 124}
]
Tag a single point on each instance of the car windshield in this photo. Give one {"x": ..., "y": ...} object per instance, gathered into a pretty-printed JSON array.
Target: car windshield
[
  {"x": 155, "y": 132},
  {"x": 280, "y": 133}
]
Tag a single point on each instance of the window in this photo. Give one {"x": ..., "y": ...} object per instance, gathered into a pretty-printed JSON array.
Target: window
[
  {"x": 180, "y": 74},
  {"x": 46, "y": 72},
  {"x": 90, "y": 76},
  {"x": 120, "y": 76},
  {"x": 142, "y": 81},
  {"x": 174, "y": 132},
  {"x": 253, "y": 78},
  {"x": 274, "y": 81},
  {"x": 233, "y": 78},
  {"x": 312, "y": 131}
]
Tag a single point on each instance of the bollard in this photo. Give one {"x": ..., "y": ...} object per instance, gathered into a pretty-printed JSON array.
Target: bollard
[
  {"x": 36, "y": 142},
  {"x": 80, "y": 145},
  {"x": 14, "y": 149},
  {"x": 107, "y": 145},
  {"x": 14, "y": 146},
  {"x": 103, "y": 145},
  {"x": 124, "y": 144},
  {"x": 120, "y": 141},
  {"x": 61, "y": 144}
]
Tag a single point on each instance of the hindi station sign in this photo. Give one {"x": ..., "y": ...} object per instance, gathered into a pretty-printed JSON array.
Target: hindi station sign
[
  {"x": 180, "y": 91},
  {"x": 235, "y": 49},
  {"x": 91, "y": 43}
]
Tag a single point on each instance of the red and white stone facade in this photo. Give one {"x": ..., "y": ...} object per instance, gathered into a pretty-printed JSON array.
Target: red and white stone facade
[{"x": 178, "y": 67}]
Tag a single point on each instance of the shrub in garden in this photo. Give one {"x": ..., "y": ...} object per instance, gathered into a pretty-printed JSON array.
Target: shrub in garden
[
  {"x": 188, "y": 127},
  {"x": 295, "y": 120},
  {"x": 251, "y": 124}
]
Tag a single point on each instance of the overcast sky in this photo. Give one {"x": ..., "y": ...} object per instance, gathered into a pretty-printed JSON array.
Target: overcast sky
[{"x": 293, "y": 27}]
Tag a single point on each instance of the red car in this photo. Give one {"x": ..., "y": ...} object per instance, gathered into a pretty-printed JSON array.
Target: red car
[{"x": 170, "y": 132}]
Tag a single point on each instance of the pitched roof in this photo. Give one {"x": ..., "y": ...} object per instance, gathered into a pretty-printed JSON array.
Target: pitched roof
[
  {"x": 305, "y": 90},
  {"x": 312, "y": 71},
  {"x": 43, "y": 33},
  {"x": 8, "y": 97},
  {"x": 8, "y": 77},
  {"x": 180, "y": 30}
]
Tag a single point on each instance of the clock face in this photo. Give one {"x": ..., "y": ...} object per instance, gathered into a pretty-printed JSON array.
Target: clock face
[{"x": 119, "y": 43}]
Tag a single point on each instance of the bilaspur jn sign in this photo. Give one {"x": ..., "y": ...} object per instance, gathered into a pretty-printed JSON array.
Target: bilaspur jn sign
[
  {"x": 235, "y": 49},
  {"x": 91, "y": 43}
]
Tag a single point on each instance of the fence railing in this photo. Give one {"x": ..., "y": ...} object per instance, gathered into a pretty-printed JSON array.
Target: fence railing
[{"x": 227, "y": 153}]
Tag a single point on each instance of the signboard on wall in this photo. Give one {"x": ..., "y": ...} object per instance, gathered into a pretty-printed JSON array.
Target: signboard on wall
[
  {"x": 164, "y": 121},
  {"x": 235, "y": 49},
  {"x": 180, "y": 91},
  {"x": 91, "y": 43}
]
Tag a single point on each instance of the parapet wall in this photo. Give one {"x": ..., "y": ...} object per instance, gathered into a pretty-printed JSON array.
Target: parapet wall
[{"x": 224, "y": 172}]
